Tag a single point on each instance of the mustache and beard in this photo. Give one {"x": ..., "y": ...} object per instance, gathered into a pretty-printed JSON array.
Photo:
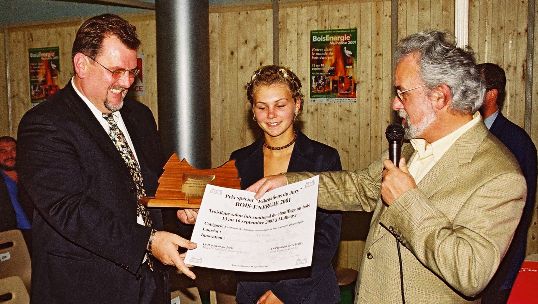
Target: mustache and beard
[
  {"x": 115, "y": 90},
  {"x": 416, "y": 130},
  {"x": 4, "y": 165}
]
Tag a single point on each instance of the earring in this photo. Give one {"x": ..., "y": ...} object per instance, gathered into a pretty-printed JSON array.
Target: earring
[{"x": 254, "y": 117}]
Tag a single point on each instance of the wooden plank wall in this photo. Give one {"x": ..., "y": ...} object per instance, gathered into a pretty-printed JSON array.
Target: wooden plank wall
[
  {"x": 20, "y": 40},
  {"x": 498, "y": 34},
  {"x": 532, "y": 245},
  {"x": 241, "y": 41},
  {"x": 4, "y": 106}
]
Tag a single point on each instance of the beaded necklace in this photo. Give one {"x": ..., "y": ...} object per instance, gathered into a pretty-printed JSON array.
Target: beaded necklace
[{"x": 281, "y": 147}]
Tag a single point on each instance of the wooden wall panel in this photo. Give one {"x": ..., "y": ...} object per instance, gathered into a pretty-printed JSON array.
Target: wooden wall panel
[
  {"x": 240, "y": 42},
  {"x": 498, "y": 34},
  {"x": 4, "y": 105},
  {"x": 22, "y": 39},
  {"x": 532, "y": 245},
  {"x": 421, "y": 15}
]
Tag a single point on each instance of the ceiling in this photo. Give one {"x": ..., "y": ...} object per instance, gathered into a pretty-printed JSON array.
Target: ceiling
[{"x": 14, "y": 12}]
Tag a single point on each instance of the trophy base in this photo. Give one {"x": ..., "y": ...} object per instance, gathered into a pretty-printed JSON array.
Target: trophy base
[{"x": 152, "y": 202}]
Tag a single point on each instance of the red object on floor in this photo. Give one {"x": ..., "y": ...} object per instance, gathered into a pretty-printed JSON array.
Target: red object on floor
[{"x": 525, "y": 289}]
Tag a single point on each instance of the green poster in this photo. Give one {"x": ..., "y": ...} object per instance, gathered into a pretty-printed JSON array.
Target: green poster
[
  {"x": 44, "y": 68},
  {"x": 333, "y": 58}
]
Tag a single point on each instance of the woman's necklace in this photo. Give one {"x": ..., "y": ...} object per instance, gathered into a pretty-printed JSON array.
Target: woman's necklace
[{"x": 281, "y": 147}]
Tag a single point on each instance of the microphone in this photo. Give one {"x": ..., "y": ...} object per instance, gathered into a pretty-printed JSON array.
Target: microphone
[{"x": 395, "y": 134}]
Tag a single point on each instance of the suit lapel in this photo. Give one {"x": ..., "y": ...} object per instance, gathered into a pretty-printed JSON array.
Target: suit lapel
[
  {"x": 300, "y": 156},
  {"x": 88, "y": 121},
  {"x": 446, "y": 169}
]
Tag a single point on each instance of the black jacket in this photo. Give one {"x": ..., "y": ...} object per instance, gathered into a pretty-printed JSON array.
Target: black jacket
[
  {"x": 316, "y": 284},
  {"x": 88, "y": 247}
]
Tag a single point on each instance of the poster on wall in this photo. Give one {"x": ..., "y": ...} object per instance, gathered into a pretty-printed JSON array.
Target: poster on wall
[
  {"x": 137, "y": 88},
  {"x": 333, "y": 58},
  {"x": 44, "y": 64}
]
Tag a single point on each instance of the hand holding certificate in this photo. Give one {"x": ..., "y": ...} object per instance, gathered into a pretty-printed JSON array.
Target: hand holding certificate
[{"x": 235, "y": 231}]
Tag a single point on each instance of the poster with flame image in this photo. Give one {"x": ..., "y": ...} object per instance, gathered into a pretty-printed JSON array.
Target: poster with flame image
[
  {"x": 44, "y": 65},
  {"x": 333, "y": 55}
]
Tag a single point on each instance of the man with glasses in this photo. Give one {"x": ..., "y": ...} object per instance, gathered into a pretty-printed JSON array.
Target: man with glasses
[
  {"x": 441, "y": 224},
  {"x": 86, "y": 157}
]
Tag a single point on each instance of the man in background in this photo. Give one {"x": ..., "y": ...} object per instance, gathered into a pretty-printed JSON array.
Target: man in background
[
  {"x": 441, "y": 224},
  {"x": 15, "y": 213},
  {"x": 86, "y": 158},
  {"x": 521, "y": 145}
]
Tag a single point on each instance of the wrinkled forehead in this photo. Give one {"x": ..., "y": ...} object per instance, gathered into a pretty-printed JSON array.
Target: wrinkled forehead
[{"x": 407, "y": 71}]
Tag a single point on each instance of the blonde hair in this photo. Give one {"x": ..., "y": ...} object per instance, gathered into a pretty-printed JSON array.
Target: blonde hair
[{"x": 274, "y": 74}]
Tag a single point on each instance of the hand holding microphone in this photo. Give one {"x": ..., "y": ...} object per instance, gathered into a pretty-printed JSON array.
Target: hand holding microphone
[{"x": 396, "y": 181}]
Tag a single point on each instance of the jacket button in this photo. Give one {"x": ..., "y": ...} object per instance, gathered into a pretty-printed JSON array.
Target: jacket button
[{"x": 369, "y": 256}]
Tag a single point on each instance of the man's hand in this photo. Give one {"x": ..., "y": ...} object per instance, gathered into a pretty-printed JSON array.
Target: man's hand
[
  {"x": 269, "y": 298},
  {"x": 396, "y": 181},
  {"x": 187, "y": 216},
  {"x": 165, "y": 246},
  {"x": 268, "y": 183}
]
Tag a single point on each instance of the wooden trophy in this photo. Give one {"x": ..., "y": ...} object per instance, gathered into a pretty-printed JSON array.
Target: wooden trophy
[{"x": 182, "y": 186}]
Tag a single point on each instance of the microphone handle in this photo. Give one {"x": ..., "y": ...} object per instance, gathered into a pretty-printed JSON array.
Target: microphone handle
[{"x": 395, "y": 149}]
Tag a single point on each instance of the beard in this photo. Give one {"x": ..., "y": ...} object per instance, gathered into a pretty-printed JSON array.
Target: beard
[
  {"x": 116, "y": 107},
  {"x": 113, "y": 108},
  {"x": 6, "y": 167},
  {"x": 416, "y": 130}
]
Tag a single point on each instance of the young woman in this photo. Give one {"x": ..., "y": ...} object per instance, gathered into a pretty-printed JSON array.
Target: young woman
[
  {"x": 276, "y": 99},
  {"x": 275, "y": 95}
]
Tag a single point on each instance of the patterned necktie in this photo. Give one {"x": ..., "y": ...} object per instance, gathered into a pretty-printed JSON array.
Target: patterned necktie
[{"x": 119, "y": 140}]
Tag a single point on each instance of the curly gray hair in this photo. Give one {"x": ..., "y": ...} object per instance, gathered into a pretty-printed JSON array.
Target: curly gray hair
[{"x": 442, "y": 62}]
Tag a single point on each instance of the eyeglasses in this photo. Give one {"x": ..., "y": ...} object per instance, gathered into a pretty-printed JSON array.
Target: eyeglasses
[
  {"x": 117, "y": 74},
  {"x": 400, "y": 93}
]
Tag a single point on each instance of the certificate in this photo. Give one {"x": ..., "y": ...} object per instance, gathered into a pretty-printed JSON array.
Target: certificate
[{"x": 235, "y": 231}]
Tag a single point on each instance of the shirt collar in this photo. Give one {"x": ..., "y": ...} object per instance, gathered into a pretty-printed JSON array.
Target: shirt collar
[
  {"x": 488, "y": 121},
  {"x": 98, "y": 114},
  {"x": 440, "y": 146}
]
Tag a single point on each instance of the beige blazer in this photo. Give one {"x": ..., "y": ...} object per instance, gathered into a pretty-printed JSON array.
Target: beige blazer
[{"x": 454, "y": 228}]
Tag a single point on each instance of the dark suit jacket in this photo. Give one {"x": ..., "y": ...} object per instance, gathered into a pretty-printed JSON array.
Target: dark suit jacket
[
  {"x": 521, "y": 145},
  {"x": 8, "y": 218},
  {"x": 316, "y": 284},
  {"x": 88, "y": 247},
  {"x": 8, "y": 221}
]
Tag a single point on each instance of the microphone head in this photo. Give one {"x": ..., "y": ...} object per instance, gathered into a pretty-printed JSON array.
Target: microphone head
[{"x": 395, "y": 132}]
